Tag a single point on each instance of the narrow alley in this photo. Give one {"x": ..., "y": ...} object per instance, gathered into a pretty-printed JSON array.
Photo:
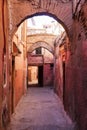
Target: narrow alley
[
  {"x": 43, "y": 64},
  {"x": 40, "y": 109}
]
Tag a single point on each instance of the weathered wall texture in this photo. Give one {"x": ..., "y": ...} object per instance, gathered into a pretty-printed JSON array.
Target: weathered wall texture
[
  {"x": 48, "y": 75},
  {"x": 81, "y": 57},
  {"x": 4, "y": 66},
  {"x": 59, "y": 77},
  {"x": 19, "y": 67},
  {"x": 62, "y": 11},
  {"x": 1, "y": 55},
  {"x": 61, "y": 45},
  {"x": 76, "y": 71},
  {"x": 18, "y": 81}
]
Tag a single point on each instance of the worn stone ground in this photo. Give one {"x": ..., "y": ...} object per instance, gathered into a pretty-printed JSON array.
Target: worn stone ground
[{"x": 40, "y": 109}]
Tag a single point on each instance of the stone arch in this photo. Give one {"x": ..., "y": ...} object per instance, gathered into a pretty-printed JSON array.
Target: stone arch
[
  {"x": 47, "y": 14},
  {"x": 57, "y": 9},
  {"x": 41, "y": 44}
]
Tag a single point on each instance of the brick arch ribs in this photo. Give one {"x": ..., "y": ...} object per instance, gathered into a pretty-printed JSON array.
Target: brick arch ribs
[{"x": 21, "y": 9}]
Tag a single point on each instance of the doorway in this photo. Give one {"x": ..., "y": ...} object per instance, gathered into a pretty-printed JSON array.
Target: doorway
[
  {"x": 63, "y": 81},
  {"x": 32, "y": 76},
  {"x": 40, "y": 76},
  {"x": 35, "y": 76},
  {"x": 12, "y": 90}
]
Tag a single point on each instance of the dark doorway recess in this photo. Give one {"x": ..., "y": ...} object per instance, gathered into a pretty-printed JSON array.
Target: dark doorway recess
[
  {"x": 64, "y": 83},
  {"x": 12, "y": 90},
  {"x": 40, "y": 76}
]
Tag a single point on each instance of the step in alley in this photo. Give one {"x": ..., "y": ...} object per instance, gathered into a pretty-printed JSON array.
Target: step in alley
[{"x": 40, "y": 109}]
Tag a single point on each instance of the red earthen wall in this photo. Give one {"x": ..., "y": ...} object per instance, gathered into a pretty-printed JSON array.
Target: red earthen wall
[
  {"x": 48, "y": 75},
  {"x": 19, "y": 76},
  {"x": 75, "y": 93},
  {"x": 59, "y": 77},
  {"x": 1, "y": 55},
  {"x": 4, "y": 88},
  {"x": 18, "y": 85},
  {"x": 76, "y": 79}
]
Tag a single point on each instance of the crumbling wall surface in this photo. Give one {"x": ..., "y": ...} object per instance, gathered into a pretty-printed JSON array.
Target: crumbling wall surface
[
  {"x": 4, "y": 72},
  {"x": 81, "y": 96},
  {"x": 76, "y": 71},
  {"x": 1, "y": 52}
]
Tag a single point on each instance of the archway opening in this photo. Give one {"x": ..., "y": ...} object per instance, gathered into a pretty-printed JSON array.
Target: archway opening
[
  {"x": 40, "y": 69},
  {"x": 39, "y": 33}
]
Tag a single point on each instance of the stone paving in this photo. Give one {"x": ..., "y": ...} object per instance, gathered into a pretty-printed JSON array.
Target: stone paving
[{"x": 40, "y": 109}]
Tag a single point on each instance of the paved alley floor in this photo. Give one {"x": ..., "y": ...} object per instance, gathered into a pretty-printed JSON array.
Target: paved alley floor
[{"x": 40, "y": 109}]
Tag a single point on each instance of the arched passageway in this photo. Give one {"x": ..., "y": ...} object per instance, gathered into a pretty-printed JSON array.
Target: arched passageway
[
  {"x": 44, "y": 54},
  {"x": 69, "y": 50}
]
